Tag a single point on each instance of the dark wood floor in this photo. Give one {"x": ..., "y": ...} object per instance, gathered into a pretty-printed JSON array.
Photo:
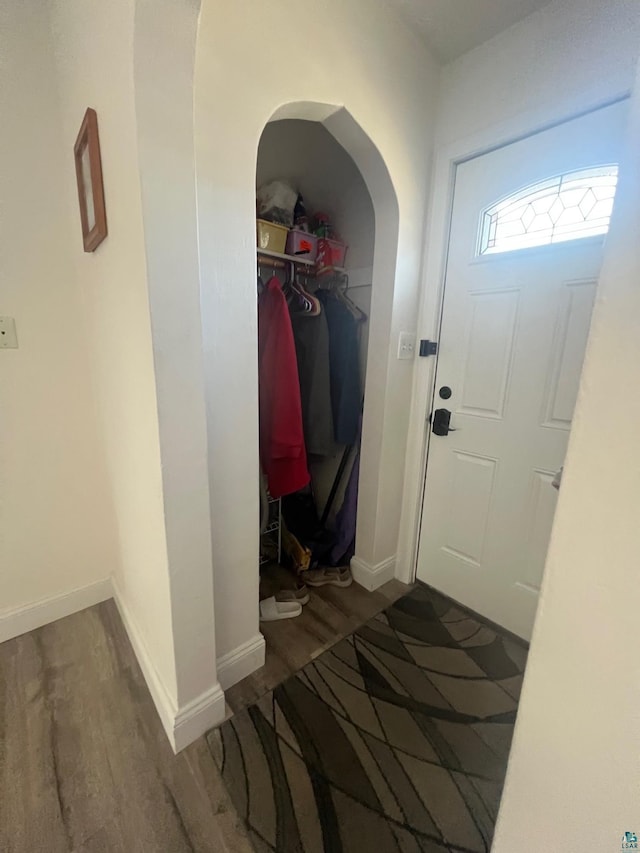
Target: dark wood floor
[
  {"x": 330, "y": 615},
  {"x": 84, "y": 762}
]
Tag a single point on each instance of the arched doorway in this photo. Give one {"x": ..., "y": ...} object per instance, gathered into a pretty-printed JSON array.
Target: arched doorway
[
  {"x": 233, "y": 457},
  {"x": 301, "y": 157}
]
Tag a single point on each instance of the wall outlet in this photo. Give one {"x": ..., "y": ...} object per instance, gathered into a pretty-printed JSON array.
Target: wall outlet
[
  {"x": 406, "y": 346},
  {"x": 8, "y": 337}
]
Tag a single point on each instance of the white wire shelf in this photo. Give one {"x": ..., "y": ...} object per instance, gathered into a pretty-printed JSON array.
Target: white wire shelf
[{"x": 273, "y": 531}]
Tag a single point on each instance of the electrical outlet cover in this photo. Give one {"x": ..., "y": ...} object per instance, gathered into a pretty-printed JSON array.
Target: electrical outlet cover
[
  {"x": 8, "y": 337},
  {"x": 406, "y": 346}
]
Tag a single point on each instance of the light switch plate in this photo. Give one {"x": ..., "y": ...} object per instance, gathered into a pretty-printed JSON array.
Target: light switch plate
[
  {"x": 406, "y": 346},
  {"x": 8, "y": 337}
]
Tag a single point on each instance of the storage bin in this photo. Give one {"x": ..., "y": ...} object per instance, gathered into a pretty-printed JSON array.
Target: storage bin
[
  {"x": 331, "y": 254},
  {"x": 338, "y": 252},
  {"x": 303, "y": 244},
  {"x": 271, "y": 236}
]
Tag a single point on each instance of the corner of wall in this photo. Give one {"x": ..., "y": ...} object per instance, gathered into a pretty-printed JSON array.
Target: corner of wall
[
  {"x": 182, "y": 724},
  {"x": 196, "y": 717},
  {"x": 372, "y": 576},
  {"x": 241, "y": 661}
]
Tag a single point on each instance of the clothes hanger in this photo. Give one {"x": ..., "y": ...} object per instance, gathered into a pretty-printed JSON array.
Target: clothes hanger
[
  {"x": 289, "y": 291},
  {"x": 357, "y": 312},
  {"x": 313, "y": 306},
  {"x": 294, "y": 290},
  {"x": 297, "y": 298}
]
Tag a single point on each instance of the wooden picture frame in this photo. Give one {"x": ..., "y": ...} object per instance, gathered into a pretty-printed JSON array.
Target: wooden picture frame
[{"x": 89, "y": 177}]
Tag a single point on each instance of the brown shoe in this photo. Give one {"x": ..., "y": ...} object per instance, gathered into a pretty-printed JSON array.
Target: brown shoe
[{"x": 329, "y": 576}]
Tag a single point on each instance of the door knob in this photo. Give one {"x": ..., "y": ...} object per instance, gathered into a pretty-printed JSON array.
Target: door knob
[{"x": 440, "y": 421}]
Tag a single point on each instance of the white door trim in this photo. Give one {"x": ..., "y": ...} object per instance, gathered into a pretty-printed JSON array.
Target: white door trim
[{"x": 436, "y": 244}]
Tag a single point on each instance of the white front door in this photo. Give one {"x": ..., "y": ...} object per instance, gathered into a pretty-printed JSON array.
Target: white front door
[{"x": 514, "y": 329}]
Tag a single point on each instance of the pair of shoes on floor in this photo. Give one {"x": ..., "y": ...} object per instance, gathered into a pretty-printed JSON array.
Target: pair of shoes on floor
[
  {"x": 288, "y": 603},
  {"x": 285, "y": 604}
]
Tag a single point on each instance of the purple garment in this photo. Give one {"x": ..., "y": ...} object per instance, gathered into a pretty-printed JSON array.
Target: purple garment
[{"x": 345, "y": 533}]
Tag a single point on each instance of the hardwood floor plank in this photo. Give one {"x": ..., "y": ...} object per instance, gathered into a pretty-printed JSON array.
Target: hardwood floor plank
[
  {"x": 330, "y": 615},
  {"x": 85, "y": 766},
  {"x": 84, "y": 762},
  {"x": 28, "y": 767}
]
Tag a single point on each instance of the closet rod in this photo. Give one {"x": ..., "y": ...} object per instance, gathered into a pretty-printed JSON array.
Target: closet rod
[{"x": 266, "y": 261}]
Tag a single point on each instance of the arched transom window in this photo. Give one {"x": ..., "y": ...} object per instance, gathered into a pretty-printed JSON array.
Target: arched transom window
[{"x": 565, "y": 207}]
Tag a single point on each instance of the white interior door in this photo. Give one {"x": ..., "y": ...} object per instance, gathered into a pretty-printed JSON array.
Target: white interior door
[{"x": 514, "y": 329}]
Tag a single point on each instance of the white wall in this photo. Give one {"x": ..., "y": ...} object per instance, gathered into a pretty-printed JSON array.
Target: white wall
[
  {"x": 95, "y": 56},
  {"x": 56, "y": 522},
  {"x": 164, "y": 114},
  {"x": 372, "y": 65},
  {"x": 103, "y": 442},
  {"x": 569, "y": 57},
  {"x": 573, "y": 775}
]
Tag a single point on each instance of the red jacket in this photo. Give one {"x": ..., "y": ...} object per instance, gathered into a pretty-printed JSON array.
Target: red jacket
[{"x": 282, "y": 450}]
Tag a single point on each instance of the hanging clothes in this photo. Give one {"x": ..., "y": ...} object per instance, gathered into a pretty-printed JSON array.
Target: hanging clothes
[
  {"x": 282, "y": 449},
  {"x": 311, "y": 336},
  {"x": 345, "y": 528},
  {"x": 344, "y": 367}
]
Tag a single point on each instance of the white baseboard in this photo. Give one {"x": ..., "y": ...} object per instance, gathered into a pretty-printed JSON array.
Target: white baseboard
[
  {"x": 182, "y": 725},
  {"x": 165, "y": 705},
  {"x": 197, "y": 717},
  {"x": 373, "y": 576},
  {"x": 240, "y": 662},
  {"x": 20, "y": 620}
]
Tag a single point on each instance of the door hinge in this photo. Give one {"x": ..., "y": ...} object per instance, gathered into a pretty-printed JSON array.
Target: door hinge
[{"x": 428, "y": 348}]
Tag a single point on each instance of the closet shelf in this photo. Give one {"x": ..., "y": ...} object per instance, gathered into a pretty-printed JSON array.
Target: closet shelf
[{"x": 296, "y": 259}]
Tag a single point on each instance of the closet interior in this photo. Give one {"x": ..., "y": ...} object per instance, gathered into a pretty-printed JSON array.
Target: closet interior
[{"x": 314, "y": 255}]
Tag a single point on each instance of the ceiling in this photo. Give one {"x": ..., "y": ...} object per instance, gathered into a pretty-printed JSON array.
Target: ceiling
[{"x": 452, "y": 27}]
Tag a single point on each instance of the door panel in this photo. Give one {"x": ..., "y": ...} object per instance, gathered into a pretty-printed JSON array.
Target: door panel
[
  {"x": 541, "y": 509},
  {"x": 512, "y": 342},
  {"x": 490, "y": 339},
  {"x": 472, "y": 479},
  {"x": 572, "y": 331}
]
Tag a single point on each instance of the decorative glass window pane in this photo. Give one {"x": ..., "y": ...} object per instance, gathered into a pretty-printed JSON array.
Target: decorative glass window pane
[{"x": 566, "y": 207}]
